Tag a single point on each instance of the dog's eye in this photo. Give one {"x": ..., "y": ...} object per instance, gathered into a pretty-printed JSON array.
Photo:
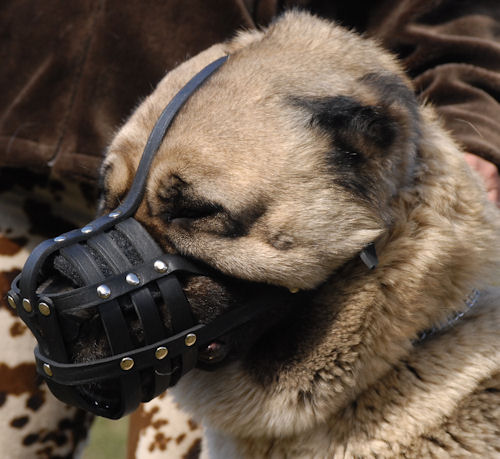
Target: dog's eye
[{"x": 192, "y": 212}]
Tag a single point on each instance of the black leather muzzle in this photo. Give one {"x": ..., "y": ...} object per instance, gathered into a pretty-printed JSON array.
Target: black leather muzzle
[{"x": 112, "y": 269}]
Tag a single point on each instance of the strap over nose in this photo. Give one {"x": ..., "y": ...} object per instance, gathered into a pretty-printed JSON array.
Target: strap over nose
[{"x": 114, "y": 268}]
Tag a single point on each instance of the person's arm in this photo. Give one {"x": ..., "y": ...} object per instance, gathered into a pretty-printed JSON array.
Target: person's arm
[{"x": 489, "y": 172}]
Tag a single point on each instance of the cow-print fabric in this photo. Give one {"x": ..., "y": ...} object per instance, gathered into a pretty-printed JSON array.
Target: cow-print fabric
[
  {"x": 160, "y": 430},
  {"x": 33, "y": 424}
]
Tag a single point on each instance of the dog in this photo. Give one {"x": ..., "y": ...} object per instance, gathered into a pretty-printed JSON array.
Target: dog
[{"x": 307, "y": 146}]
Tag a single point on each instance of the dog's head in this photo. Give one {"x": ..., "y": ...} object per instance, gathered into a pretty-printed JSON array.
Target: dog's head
[
  {"x": 277, "y": 172},
  {"x": 275, "y": 175}
]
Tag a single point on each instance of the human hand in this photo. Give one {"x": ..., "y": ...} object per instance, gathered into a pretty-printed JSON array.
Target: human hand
[{"x": 489, "y": 173}]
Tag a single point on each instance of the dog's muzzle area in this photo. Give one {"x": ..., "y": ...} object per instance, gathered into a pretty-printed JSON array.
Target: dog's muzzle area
[{"x": 117, "y": 319}]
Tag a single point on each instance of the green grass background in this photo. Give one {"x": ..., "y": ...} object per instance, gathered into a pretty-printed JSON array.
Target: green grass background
[{"x": 108, "y": 439}]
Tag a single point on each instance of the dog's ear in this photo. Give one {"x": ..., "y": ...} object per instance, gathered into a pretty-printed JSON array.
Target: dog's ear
[
  {"x": 355, "y": 128},
  {"x": 360, "y": 129}
]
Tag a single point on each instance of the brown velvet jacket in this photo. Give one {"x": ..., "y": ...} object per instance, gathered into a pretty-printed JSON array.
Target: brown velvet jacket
[{"x": 71, "y": 72}]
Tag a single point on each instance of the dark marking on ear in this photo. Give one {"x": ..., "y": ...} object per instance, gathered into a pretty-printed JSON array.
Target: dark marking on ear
[
  {"x": 358, "y": 132},
  {"x": 392, "y": 89},
  {"x": 351, "y": 123}
]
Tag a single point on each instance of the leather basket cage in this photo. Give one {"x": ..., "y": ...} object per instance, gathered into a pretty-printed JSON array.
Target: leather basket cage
[{"x": 112, "y": 269}]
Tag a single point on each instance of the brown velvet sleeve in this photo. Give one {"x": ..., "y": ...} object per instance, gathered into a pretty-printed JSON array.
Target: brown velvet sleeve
[
  {"x": 71, "y": 72},
  {"x": 451, "y": 49}
]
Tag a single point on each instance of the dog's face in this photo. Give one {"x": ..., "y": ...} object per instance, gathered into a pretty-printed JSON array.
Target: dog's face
[
  {"x": 277, "y": 171},
  {"x": 280, "y": 168}
]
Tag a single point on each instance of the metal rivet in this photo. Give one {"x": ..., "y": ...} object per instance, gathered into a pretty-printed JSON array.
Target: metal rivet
[
  {"x": 115, "y": 214},
  {"x": 132, "y": 279},
  {"x": 47, "y": 369},
  {"x": 44, "y": 308},
  {"x": 11, "y": 301},
  {"x": 161, "y": 352},
  {"x": 103, "y": 291},
  {"x": 294, "y": 289},
  {"x": 160, "y": 266},
  {"x": 27, "y": 305},
  {"x": 60, "y": 238},
  {"x": 190, "y": 339},
  {"x": 87, "y": 229},
  {"x": 126, "y": 363}
]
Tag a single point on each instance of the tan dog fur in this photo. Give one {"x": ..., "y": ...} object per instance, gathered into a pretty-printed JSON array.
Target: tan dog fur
[{"x": 357, "y": 383}]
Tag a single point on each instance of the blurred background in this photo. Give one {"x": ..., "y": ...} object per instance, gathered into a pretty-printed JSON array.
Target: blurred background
[{"x": 108, "y": 439}]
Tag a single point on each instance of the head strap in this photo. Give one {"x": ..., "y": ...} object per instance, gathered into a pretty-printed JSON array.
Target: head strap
[{"x": 107, "y": 279}]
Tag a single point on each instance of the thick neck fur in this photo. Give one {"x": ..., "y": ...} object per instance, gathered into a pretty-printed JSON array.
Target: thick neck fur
[{"x": 359, "y": 387}]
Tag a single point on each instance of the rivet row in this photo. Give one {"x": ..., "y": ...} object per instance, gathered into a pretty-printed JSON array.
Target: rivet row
[
  {"x": 127, "y": 363},
  {"x": 43, "y": 307},
  {"x": 104, "y": 292}
]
